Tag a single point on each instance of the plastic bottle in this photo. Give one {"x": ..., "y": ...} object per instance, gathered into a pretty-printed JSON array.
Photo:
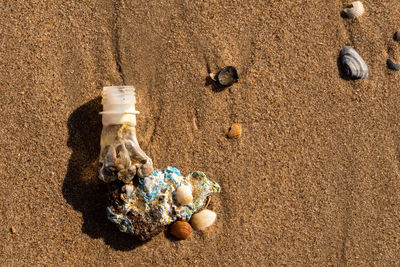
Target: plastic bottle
[{"x": 121, "y": 156}]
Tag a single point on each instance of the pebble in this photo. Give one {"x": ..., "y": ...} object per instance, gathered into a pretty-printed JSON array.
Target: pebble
[{"x": 235, "y": 131}]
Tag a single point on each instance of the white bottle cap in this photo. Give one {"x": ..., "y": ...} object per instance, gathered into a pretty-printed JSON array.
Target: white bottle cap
[{"x": 119, "y": 105}]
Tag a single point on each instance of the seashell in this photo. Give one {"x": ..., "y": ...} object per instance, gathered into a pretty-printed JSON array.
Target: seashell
[
  {"x": 235, "y": 131},
  {"x": 227, "y": 76},
  {"x": 353, "y": 64},
  {"x": 181, "y": 230},
  {"x": 355, "y": 11},
  {"x": 393, "y": 66},
  {"x": 203, "y": 219},
  {"x": 184, "y": 195}
]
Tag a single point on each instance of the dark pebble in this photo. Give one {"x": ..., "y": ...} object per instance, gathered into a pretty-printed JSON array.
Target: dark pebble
[{"x": 393, "y": 66}]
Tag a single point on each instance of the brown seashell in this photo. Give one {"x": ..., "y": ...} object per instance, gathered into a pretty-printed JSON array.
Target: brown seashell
[
  {"x": 235, "y": 131},
  {"x": 181, "y": 230}
]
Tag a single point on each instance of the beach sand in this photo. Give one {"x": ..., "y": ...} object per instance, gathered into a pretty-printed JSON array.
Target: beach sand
[{"x": 314, "y": 179}]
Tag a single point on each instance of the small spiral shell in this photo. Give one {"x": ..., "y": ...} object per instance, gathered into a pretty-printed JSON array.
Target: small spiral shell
[{"x": 355, "y": 11}]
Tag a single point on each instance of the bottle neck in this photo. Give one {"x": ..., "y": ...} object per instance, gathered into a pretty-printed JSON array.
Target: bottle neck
[{"x": 119, "y": 105}]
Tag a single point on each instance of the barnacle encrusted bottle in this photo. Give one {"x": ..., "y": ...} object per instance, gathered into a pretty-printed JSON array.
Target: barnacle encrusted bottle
[{"x": 121, "y": 156}]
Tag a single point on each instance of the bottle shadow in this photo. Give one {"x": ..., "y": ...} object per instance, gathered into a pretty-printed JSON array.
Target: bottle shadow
[{"x": 81, "y": 188}]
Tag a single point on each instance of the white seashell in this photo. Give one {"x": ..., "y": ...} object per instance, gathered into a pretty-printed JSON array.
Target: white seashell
[
  {"x": 203, "y": 219},
  {"x": 355, "y": 11},
  {"x": 184, "y": 195}
]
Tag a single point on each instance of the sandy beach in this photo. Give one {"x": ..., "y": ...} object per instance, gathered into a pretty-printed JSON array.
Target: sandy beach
[{"x": 313, "y": 180}]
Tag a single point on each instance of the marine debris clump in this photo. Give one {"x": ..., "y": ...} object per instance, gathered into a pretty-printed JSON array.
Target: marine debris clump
[
  {"x": 148, "y": 208},
  {"x": 143, "y": 202}
]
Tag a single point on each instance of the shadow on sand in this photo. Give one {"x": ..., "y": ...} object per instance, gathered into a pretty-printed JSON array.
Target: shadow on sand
[{"x": 81, "y": 188}]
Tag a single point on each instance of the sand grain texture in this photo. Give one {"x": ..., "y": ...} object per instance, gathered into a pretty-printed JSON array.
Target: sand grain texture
[{"x": 314, "y": 179}]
